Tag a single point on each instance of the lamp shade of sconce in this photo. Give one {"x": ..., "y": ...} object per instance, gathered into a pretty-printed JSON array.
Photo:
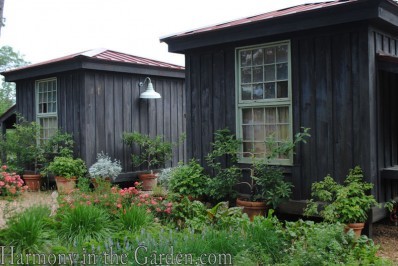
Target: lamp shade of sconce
[{"x": 150, "y": 92}]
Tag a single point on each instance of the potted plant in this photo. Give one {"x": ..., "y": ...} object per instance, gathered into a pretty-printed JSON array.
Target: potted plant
[
  {"x": 66, "y": 171},
  {"x": 23, "y": 152},
  {"x": 105, "y": 169},
  {"x": 267, "y": 185},
  {"x": 188, "y": 180},
  {"x": 154, "y": 153},
  {"x": 346, "y": 203}
]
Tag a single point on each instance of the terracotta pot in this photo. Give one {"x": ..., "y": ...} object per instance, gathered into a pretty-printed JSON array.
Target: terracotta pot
[
  {"x": 356, "y": 227},
  {"x": 33, "y": 181},
  {"x": 252, "y": 208},
  {"x": 149, "y": 181},
  {"x": 65, "y": 185},
  {"x": 95, "y": 184}
]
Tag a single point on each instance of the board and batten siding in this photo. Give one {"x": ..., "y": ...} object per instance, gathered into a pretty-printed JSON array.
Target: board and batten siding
[
  {"x": 112, "y": 106},
  {"x": 69, "y": 104},
  {"x": 386, "y": 83},
  {"x": 330, "y": 95},
  {"x": 96, "y": 107}
]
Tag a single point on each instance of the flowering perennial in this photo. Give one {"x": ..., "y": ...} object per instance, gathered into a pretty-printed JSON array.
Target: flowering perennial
[{"x": 11, "y": 184}]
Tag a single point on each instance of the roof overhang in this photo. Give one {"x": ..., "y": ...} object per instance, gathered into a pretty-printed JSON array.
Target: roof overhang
[
  {"x": 87, "y": 63},
  {"x": 379, "y": 11}
]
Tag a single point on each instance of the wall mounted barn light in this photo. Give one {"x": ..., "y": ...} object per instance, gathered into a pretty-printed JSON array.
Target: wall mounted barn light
[{"x": 149, "y": 93}]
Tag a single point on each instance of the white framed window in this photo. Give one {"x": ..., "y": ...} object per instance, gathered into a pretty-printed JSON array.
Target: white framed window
[
  {"x": 263, "y": 98},
  {"x": 46, "y": 107}
]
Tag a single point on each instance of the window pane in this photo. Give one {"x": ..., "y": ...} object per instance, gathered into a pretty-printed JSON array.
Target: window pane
[
  {"x": 281, "y": 71},
  {"x": 283, "y": 114},
  {"x": 258, "y": 56},
  {"x": 269, "y": 72},
  {"x": 259, "y": 149},
  {"x": 270, "y": 131},
  {"x": 283, "y": 132},
  {"x": 246, "y": 75},
  {"x": 246, "y": 58},
  {"x": 259, "y": 133},
  {"x": 258, "y": 74},
  {"x": 270, "y": 55},
  {"x": 282, "y": 89},
  {"x": 247, "y": 149},
  {"x": 247, "y": 116},
  {"x": 247, "y": 92},
  {"x": 247, "y": 133},
  {"x": 270, "y": 115},
  {"x": 269, "y": 92},
  {"x": 258, "y": 115},
  {"x": 258, "y": 92},
  {"x": 282, "y": 53}
]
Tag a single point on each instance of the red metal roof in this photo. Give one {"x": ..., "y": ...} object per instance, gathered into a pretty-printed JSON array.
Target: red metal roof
[
  {"x": 266, "y": 16},
  {"x": 107, "y": 55}
]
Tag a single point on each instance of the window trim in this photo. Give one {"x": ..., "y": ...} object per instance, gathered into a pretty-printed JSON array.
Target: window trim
[
  {"x": 46, "y": 115},
  {"x": 283, "y": 102}
]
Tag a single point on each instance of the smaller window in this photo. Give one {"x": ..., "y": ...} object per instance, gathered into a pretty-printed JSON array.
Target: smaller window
[{"x": 46, "y": 107}]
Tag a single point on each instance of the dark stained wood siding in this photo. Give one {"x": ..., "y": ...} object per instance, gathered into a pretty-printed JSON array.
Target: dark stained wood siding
[
  {"x": 70, "y": 99},
  {"x": 98, "y": 106},
  {"x": 112, "y": 106},
  {"x": 331, "y": 95},
  {"x": 387, "y": 110}
]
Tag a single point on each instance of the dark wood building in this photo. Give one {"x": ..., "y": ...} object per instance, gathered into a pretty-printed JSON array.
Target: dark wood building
[
  {"x": 95, "y": 96},
  {"x": 331, "y": 67}
]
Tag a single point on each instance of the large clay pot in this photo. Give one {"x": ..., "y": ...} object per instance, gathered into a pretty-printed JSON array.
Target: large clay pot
[
  {"x": 149, "y": 181},
  {"x": 252, "y": 208},
  {"x": 33, "y": 181},
  {"x": 65, "y": 185},
  {"x": 356, "y": 227}
]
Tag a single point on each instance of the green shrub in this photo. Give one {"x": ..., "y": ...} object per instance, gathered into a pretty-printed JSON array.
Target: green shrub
[
  {"x": 67, "y": 167},
  {"x": 188, "y": 180},
  {"x": 84, "y": 223},
  {"x": 134, "y": 218},
  {"x": 29, "y": 231}
]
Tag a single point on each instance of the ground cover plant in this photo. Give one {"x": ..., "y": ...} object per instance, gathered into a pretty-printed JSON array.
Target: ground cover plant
[{"x": 139, "y": 227}]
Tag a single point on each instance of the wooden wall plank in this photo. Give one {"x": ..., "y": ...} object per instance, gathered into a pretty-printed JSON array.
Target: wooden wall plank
[
  {"x": 89, "y": 104},
  {"x": 109, "y": 118},
  {"x": 118, "y": 120}
]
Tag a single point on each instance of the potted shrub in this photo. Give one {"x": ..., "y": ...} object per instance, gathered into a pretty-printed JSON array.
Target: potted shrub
[
  {"x": 105, "y": 169},
  {"x": 348, "y": 203},
  {"x": 24, "y": 154},
  {"x": 154, "y": 153},
  {"x": 66, "y": 171},
  {"x": 267, "y": 185},
  {"x": 188, "y": 180}
]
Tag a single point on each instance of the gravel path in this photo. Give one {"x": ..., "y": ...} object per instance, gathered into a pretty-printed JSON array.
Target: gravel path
[{"x": 27, "y": 199}]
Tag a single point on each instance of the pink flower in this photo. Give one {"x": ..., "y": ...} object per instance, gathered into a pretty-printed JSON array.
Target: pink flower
[
  {"x": 158, "y": 210},
  {"x": 4, "y": 167},
  {"x": 119, "y": 206},
  {"x": 168, "y": 210},
  {"x": 88, "y": 202}
]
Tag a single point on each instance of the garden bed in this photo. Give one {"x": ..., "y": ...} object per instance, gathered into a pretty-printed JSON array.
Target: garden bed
[{"x": 384, "y": 234}]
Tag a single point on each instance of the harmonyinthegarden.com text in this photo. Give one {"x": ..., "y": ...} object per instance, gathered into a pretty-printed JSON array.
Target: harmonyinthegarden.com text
[{"x": 9, "y": 256}]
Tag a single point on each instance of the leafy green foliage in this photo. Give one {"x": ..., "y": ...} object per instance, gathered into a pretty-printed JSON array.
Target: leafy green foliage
[
  {"x": 21, "y": 147},
  {"x": 60, "y": 144},
  {"x": 221, "y": 216},
  {"x": 67, "y": 167},
  {"x": 267, "y": 181},
  {"x": 346, "y": 203},
  {"x": 188, "y": 180},
  {"x": 226, "y": 174},
  {"x": 154, "y": 151},
  {"x": 28, "y": 231},
  {"x": 9, "y": 59},
  {"x": 134, "y": 218},
  {"x": 84, "y": 223}
]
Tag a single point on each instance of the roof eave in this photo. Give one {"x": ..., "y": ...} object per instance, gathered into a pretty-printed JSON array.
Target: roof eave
[
  {"x": 357, "y": 11},
  {"x": 83, "y": 62}
]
